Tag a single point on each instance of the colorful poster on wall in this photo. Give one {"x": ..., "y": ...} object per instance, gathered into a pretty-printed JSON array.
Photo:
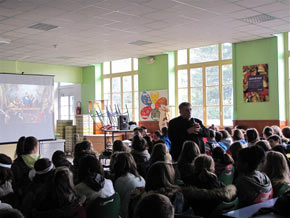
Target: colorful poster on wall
[
  {"x": 256, "y": 83},
  {"x": 151, "y": 103}
]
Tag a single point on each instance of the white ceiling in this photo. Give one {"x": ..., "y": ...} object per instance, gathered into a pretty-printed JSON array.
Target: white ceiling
[{"x": 93, "y": 31}]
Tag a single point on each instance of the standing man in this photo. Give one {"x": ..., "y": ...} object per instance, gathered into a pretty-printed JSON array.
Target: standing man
[{"x": 184, "y": 128}]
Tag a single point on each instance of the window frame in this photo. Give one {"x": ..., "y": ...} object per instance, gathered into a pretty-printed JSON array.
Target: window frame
[
  {"x": 131, "y": 73},
  {"x": 203, "y": 65}
]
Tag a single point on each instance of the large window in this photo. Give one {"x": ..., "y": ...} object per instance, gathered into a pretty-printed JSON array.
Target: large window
[
  {"x": 120, "y": 86},
  {"x": 204, "y": 78}
]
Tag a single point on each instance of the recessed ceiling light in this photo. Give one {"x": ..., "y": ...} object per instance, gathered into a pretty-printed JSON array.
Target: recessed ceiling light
[
  {"x": 5, "y": 41},
  {"x": 258, "y": 18},
  {"x": 140, "y": 42},
  {"x": 43, "y": 26}
]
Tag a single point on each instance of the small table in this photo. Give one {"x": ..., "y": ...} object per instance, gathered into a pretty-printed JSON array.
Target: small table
[
  {"x": 250, "y": 210},
  {"x": 113, "y": 132}
]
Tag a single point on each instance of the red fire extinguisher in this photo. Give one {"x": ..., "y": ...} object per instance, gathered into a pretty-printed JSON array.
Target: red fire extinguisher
[{"x": 78, "y": 108}]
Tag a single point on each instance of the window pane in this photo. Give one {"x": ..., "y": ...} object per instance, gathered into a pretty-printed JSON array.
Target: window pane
[
  {"x": 212, "y": 95},
  {"x": 136, "y": 100},
  {"x": 64, "y": 101},
  {"x": 228, "y": 115},
  {"x": 116, "y": 84},
  {"x": 182, "y": 57},
  {"x": 107, "y": 98},
  {"x": 227, "y": 95},
  {"x": 64, "y": 110},
  {"x": 226, "y": 51},
  {"x": 135, "y": 63},
  {"x": 106, "y": 85},
  {"x": 136, "y": 114},
  {"x": 197, "y": 112},
  {"x": 135, "y": 82},
  {"x": 106, "y": 68},
  {"x": 212, "y": 76},
  {"x": 213, "y": 115},
  {"x": 182, "y": 78},
  {"x": 204, "y": 54},
  {"x": 196, "y": 77},
  {"x": 72, "y": 111},
  {"x": 64, "y": 117},
  {"x": 227, "y": 74},
  {"x": 196, "y": 96},
  {"x": 127, "y": 100},
  {"x": 127, "y": 83},
  {"x": 120, "y": 66},
  {"x": 182, "y": 96},
  {"x": 116, "y": 98}
]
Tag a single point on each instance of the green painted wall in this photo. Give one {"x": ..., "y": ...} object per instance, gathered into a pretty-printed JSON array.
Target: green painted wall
[
  {"x": 62, "y": 73},
  {"x": 153, "y": 76},
  {"x": 88, "y": 87},
  {"x": 264, "y": 51}
]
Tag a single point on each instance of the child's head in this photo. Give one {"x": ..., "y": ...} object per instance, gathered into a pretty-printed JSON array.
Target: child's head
[
  {"x": 20, "y": 146},
  {"x": 118, "y": 145},
  {"x": 274, "y": 140},
  {"x": 160, "y": 175},
  {"x": 286, "y": 132},
  {"x": 189, "y": 151},
  {"x": 238, "y": 135},
  {"x": 157, "y": 136},
  {"x": 276, "y": 166},
  {"x": 160, "y": 153},
  {"x": 211, "y": 135},
  {"x": 164, "y": 131},
  {"x": 252, "y": 135},
  {"x": 249, "y": 159},
  {"x": 264, "y": 144},
  {"x": 234, "y": 149},
  {"x": 124, "y": 163},
  {"x": 139, "y": 143},
  {"x": 203, "y": 162},
  {"x": 154, "y": 206},
  {"x": 30, "y": 145},
  {"x": 83, "y": 146},
  {"x": 267, "y": 132}
]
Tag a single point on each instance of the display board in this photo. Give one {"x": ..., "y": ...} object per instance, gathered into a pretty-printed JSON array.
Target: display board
[
  {"x": 26, "y": 107},
  {"x": 150, "y": 104}
]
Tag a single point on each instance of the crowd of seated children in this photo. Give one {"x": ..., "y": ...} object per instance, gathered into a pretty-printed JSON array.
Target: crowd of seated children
[
  {"x": 126, "y": 179},
  {"x": 277, "y": 169},
  {"x": 189, "y": 151},
  {"x": 49, "y": 188}
]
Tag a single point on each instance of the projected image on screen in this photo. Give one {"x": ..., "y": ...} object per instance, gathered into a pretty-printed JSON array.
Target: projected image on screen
[
  {"x": 26, "y": 107},
  {"x": 25, "y": 103}
]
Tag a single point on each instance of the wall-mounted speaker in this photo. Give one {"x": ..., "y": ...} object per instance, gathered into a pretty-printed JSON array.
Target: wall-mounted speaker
[{"x": 123, "y": 122}]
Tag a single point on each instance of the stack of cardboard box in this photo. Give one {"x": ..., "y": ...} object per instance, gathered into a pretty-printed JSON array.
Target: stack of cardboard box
[
  {"x": 60, "y": 127},
  {"x": 84, "y": 126},
  {"x": 70, "y": 139}
]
